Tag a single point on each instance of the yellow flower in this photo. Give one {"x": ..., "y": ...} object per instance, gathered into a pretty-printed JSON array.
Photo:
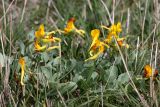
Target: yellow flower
[
  {"x": 44, "y": 38},
  {"x": 118, "y": 27},
  {"x": 95, "y": 37},
  {"x": 94, "y": 54},
  {"x": 38, "y": 47},
  {"x": 148, "y": 72},
  {"x": 109, "y": 37},
  {"x": 22, "y": 64},
  {"x": 71, "y": 27},
  {"x": 121, "y": 43},
  {"x": 97, "y": 47},
  {"x": 40, "y": 33},
  {"x": 114, "y": 30}
]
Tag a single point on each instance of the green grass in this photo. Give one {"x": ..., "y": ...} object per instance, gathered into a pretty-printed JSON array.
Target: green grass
[{"x": 59, "y": 79}]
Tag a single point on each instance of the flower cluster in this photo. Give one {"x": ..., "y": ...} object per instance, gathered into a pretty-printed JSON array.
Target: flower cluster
[
  {"x": 97, "y": 46},
  {"x": 45, "y": 38},
  {"x": 45, "y": 41},
  {"x": 42, "y": 37},
  {"x": 114, "y": 31}
]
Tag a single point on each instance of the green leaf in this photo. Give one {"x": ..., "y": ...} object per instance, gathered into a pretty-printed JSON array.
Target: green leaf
[
  {"x": 31, "y": 36},
  {"x": 94, "y": 75},
  {"x": 112, "y": 73},
  {"x": 77, "y": 78},
  {"x": 45, "y": 57},
  {"x": 123, "y": 78},
  {"x": 46, "y": 72},
  {"x": 73, "y": 62},
  {"x": 56, "y": 61},
  {"x": 118, "y": 60},
  {"x": 22, "y": 47},
  {"x": 67, "y": 87}
]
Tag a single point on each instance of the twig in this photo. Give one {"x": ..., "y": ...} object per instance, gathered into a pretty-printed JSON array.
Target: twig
[
  {"x": 11, "y": 33},
  {"x": 60, "y": 55},
  {"x": 144, "y": 19},
  {"x": 154, "y": 93},
  {"x": 128, "y": 20},
  {"x": 155, "y": 27},
  {"x": 6, "y": 10},
  {"x": 153, "y": 69},
  {"x": 90, "y": 5},
  {"x": 4, "y": 15},
  {"x": 109, "y": 15},
  {"x": 47, "y": 13},
  {"x": 101, "y": 95},
  {"x": 24, "y": 8},
  {"x": 14, "y": 104},
  {"x": 53, "y": 4},
  {"x": 113, "y": 11},
  {"x": 137, "y": 47},
  {"x": 151, "y": 78}
]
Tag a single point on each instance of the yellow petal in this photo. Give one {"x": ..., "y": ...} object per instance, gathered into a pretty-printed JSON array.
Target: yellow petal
[
  {"x": 91, "y": 53},
  {"x": 95, "y": 35},
  {"x": 70, "y": 25},
  {"x": 40, "y": 33},
  {"x": 113, "y": 28},
  {"x": 81, "y": 32},
  {"x": 22, "y": 75},
  {"x": 105, "y": 27},
  {"x": 22, "y": 64},
  {"x": 109, "y": 38},
  {"x": 120, "y": 39},
  {"x": 95, "y": 44},
  {"x": 121, "y": 43},
  {"x": 67, "y": 30},
  {"x": 127, "y": 46},
  {"x": 57, "y": 39},
  {"x": 21, "y": 61},
  {"x": 94, "y": 56},
  {"x": 49, "y": 33},
  {"x": 38, "y": 47},
  {"x": 53, "y": 47},
  {"x": 105, "y": 44},
  {"x": 147, "y": 71},
  {"x": 100, "y": 50},
  {"x": 119, "y": 28},
  {"x": 45, "y": 40}
]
